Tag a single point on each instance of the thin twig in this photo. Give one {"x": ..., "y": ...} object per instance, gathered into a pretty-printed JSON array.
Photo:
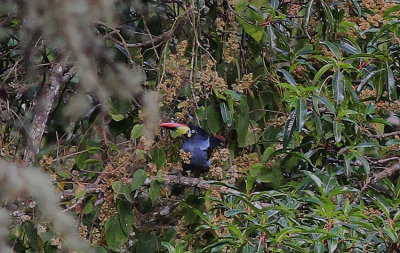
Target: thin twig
[
  {"x": 151, "y": 37},
  {"x": 163, "y": 37}
]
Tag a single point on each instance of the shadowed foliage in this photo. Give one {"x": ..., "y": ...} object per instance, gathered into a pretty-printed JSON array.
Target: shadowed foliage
[{"x": 305, "y": 94}]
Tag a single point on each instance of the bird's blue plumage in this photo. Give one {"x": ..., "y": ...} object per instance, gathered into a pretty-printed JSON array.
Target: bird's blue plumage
[{"x": 199, "y": 144}]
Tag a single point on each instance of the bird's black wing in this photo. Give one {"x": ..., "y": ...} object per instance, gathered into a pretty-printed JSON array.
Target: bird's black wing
[{"x": 214, "y": 142}]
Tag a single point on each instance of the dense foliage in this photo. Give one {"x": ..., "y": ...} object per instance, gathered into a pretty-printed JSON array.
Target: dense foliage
[{"x": 301, "y": 91}]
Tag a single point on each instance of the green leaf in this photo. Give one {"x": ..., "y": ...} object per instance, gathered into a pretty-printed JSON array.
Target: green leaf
[
  {"x": 118, "y": 187},
  {"x": 88, "y": 208},
  {"x": 390, "y": 85},
  {"x": 383, "y": 204},
  {"x": 332, "y": 47},
  {"x": 301, "y": 113},
  {"x": 338, "y": 86},
  {"x": 346, "y": 112},
  {"x": 117, "y": 117},
  {"x": 337, "y": 130},
  {"x": 347, "y": 166},
  {"x": 366, "y": 79},
  {"x": 154, "y": 190},
  {"x": 126, "y": 212},
  {"x": 249, "y": 17},
  {"x": 289, "y": 128},
  {"x": 137, "y": 131},
  {"x": 380, "y": 84},
  {"x": 318, "y": 125},
  {"x": 362, "y": 159},
  {"x": 281, "y": 235},
  {"x": 321, "y": 71},
  {"x": 290, "y": 87},
  {"x": 392, "y": 143},
  {"x": 265, "y": 175},
  {"x": 314, "y": 178},
  {"x": 158, "y": 156},
  {"x": 233, "y": 94},
  {"x": 218, "y": 94},
  {"x": 357, "y": 7},
  {"x": 213, "y": 119},
  {"x": 289, "y": 78},
  {"x": 35, "y": 241},
  {"x": 243, "y": 123},
  {"x": 267, "y": 154},
  {"x": 138, "y": 179},
  {"x": 329, "y": 16},
  {"x": 64, "y": 174},
  {"x": 140, "y": 154},
  {"x": 234, "y": 212},
  {"x": 388, "y": 11},
  {"x": 349, "y": 47},
  {"x": 307, "y": 16},
  {"x": 391, "y": 232},
  {"x": 169, "y": 247},
  {"x": 80, "y": 161},
  {"x": 115, "y": 236},
  {"x": 226, "y": 114},
  {"x": 327, "y": 104},
  {"x": 80, "y": 191},
  {"x": 302, "y": 156}
]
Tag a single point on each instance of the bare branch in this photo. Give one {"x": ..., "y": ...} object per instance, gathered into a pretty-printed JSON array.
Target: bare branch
[
  {"x": 59, "y": 75},
  {"x": 168, "y": 179},
  {"x": 382, "y": 135},
  {"x": 377, "y": 177},
  {"x": 163, "y": 37}
]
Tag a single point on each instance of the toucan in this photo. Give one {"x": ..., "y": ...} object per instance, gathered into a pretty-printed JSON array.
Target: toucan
[{"x": 198, "y": 143}]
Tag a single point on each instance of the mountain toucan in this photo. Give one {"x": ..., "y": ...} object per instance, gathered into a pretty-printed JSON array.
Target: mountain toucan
[{"x": 198, "y": 143}]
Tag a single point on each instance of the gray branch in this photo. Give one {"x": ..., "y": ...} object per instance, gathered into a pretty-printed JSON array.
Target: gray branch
[{"x": 44, "y": 103}]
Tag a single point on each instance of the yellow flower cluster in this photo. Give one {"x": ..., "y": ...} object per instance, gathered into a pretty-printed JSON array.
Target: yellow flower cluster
[
  {"x": 208, "y": 80},
  {"x": 370, "y": 211},
  {"x": 181, "y": 228},
  {"x": 220, "y": 156},
  {"x": 231, "y": 45},
  {"x": 374, "y": 20},
  {"x": 231, "y": 49},
  {"x": 278, "y": 121},
  {"x": 185, "y": 156},
  {"x": 366, "y": 93},
  {"x": 240, "y": 168},
  {"x": 243, "y": 84},
  {"x": 56, "y": 241},
  {"x": 176, "y": 70},
  {"x": 216, "y": 172},
  {"x": 83, "y": 232},
  {"x": 97, "y": 236},
  {"x": 390, "y": 106}
]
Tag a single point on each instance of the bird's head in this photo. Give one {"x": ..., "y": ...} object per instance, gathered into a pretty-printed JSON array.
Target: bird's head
[
  {"x": 191, "y": 131},
  {"x": 179, "y": 128}
]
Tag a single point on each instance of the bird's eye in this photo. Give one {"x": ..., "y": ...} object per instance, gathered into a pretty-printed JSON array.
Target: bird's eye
[{"x": 193, "y": 131}]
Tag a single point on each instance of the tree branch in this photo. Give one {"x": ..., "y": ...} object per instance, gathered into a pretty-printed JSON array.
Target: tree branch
[
  {"x": 378, "y": 176},
  {"x": 382, "y": 135},
  {"x": 168, "y": 179},
  {"x": 59, "y": 75}
]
